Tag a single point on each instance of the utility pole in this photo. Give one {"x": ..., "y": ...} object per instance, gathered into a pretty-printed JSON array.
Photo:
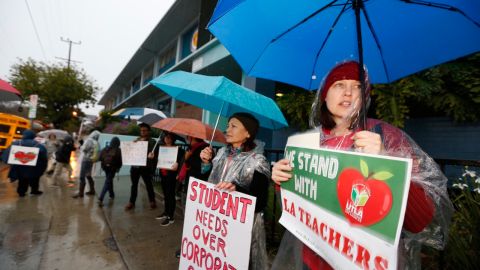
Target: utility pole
[{"x": 69, "y": 51}]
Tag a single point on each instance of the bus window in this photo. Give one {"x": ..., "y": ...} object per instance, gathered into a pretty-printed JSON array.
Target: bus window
[
  {"x": 4, "y": 128},
  {"x": 11, "y": 128}
]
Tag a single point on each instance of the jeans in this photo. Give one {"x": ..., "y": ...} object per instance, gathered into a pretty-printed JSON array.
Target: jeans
[{"x": 108, "y": 185}]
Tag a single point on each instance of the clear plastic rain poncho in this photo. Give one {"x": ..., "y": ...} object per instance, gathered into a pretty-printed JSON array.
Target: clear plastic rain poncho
[
  {"x": 231, "y": 165},
  {"x": 426, "y": 179}
]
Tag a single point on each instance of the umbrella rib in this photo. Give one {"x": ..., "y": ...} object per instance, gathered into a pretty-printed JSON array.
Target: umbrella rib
[
  {"x": 442, "y": 6},
  {"x": 377, "y": 42},
  {"x": 326, "y": 39},
  {"x": 227, "y": 11},
  {"x": 289, "y": 30}
]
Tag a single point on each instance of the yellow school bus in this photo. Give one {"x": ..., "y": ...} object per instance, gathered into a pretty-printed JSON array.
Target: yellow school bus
[{"x": 11, "y": 128}]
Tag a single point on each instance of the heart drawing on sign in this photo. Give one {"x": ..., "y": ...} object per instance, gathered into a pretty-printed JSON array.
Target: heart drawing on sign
[{"x": 24, "y": 157}]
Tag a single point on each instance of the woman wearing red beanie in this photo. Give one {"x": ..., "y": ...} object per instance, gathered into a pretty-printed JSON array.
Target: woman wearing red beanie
[{"x": 335, "y": 115}]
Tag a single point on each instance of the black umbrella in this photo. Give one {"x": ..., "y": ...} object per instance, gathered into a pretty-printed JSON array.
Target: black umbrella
[{"x": 150, "y": 118}]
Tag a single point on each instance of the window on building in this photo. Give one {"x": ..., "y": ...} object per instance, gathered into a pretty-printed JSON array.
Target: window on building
[
  {"x": 166, "y": 60},
  {"x": 136, "y": 84},
  {"x": 148, "y": 74},
  {"x": 165, "y": 106},
  {"x": 189, "y": 41}
]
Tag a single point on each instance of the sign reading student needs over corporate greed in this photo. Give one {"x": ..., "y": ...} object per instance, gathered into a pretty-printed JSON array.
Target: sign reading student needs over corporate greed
[
  {"x": 217, "y": 228},
  {"x": 345, "y": 206}
]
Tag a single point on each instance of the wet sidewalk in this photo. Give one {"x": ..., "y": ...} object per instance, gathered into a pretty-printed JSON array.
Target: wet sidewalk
[{"x": 55, "y": 231}]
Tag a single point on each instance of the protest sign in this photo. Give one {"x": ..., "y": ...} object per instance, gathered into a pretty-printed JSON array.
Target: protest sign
[
  {"x": 217, "y": 229},
  {"x": 22, "y": 155},
  {"x": 347, "y": 207},
  {"x": 167, "y": 156},
  {"x": 134, "y": 153}
]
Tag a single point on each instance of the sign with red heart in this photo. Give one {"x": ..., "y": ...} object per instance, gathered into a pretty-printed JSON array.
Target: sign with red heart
[
  {"x": 22, "y": 155},
  {"x": 347, "y": 207}
]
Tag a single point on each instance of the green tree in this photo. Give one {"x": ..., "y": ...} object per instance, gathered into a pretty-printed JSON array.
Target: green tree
[
  {"x": 59, "y": 89},
  {"x": 451, "y": 89}
]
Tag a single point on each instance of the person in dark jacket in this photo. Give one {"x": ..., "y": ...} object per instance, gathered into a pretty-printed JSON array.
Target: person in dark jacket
[
  {"x": 111, "y": 162},
  {"x": 146, "y": 172},
  {"x": 28, "y": 175},
  {"x": 62, "y": 158}
]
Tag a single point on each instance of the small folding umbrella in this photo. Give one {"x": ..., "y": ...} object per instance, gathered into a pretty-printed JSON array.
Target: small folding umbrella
[
  {"x": 60, "y": 134},
  {"x": 150, "y": 118}
]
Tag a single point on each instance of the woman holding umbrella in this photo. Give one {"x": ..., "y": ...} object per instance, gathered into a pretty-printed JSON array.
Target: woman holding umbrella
[
  {"x": 334, "y": 114},
  {"x": 241, "y": 166}
]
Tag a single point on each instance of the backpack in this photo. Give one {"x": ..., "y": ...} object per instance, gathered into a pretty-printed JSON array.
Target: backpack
[
  {"x": 108, "y": 157},
  {"x": 96, "y": 152}
]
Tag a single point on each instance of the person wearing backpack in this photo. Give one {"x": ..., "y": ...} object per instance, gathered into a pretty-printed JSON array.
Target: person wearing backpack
[
  {"x": 91, "y": 152},
  {"x": 111, "y": 162}
]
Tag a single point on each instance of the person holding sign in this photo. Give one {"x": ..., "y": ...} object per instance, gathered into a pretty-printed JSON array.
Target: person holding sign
[
  {"x": 335, "y": 115},
  {"x": 146, "y": 172},
  {"x": 169, "y": 180},
  {"x": 241, "y": 166},
  {"x": 28, "y": 174}
]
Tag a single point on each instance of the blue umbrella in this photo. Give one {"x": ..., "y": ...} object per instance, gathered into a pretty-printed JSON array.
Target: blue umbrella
[
  {"x": 136, "y": 113},
  {"x": 220, "y": 95},
  {"x": 299, "y": 41}
]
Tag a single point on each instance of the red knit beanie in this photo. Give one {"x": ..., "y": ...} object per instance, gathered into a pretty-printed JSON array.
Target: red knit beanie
[{"x": 345, "y": 71}]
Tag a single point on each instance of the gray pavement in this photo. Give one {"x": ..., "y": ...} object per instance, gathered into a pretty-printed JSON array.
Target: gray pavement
[{"x": 55, "y": 231}]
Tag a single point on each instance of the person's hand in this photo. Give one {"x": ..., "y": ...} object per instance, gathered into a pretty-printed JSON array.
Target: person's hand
[
  {"x": 368, "y": 142},
  {"x": 280, "y": 171},
  {"x": 150, "y": 155},
  {"x": 206, "y": 154},
  {"x": 228, "y": 186},
  {"x": 175, "y": 166}
]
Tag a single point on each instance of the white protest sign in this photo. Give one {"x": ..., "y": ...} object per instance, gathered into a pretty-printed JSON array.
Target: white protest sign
[
  {"x": 217, "y": 229},
  {"x": 167, "y": 156},
  {"x": 134, "y": 153},
  {"x": 22, "y": 155}
]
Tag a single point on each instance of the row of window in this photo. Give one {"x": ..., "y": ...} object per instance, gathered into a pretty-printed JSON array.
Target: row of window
[{"x": 165, "y": 62}]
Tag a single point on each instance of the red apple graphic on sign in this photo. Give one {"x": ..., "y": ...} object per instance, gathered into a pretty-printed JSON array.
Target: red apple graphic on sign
[
  {"x": 24, "y": 157},
  {"x": 364, "y": 198}
]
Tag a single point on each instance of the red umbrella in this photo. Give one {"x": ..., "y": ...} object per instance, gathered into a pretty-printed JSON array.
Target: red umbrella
[
  {"x": 8, "y": 92},
  {"x": 190, "y": 127}
]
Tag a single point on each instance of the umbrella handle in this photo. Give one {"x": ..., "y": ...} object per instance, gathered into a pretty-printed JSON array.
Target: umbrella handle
[
  {"x": 216, "y": 123},
  {"x": 159, "y": 137}
]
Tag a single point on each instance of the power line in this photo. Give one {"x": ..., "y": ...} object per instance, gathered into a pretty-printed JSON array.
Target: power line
[{"x": 36, "y": 32}]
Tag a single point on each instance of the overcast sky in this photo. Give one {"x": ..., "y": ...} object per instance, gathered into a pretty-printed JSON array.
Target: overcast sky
[{"x": 110, "y": 31}]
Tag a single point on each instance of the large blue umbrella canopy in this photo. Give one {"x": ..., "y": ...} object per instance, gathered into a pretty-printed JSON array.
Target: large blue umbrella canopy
[
  {"x": 299, "y": 41},
  {"x": 220, "y": 95}
]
